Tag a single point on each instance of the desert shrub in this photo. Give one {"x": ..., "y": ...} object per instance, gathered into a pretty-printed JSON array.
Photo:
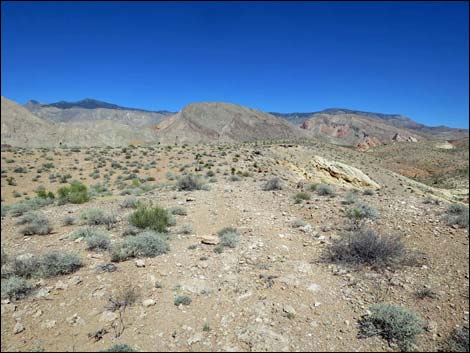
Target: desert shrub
[
  {"x": 15, "y": 287},
  {"x": 35, "y": 223},
  {"x": 4, "y": 210},
  {"x": 366, "y": 247},
  {"x": 86, "y": 232},
  {"x": 57, "y": 263},
  {"x": 76, "y": 193},
  {"x": 457, "y": 214},
  {"x": 99, "y": 241},
  {"x": 146, "y": 244},
  {"x": 186, "y": 229},
  {"x": 324, "y": 190},
  {"x": 180, "y": 211},
  {"x": 182, "y": 300},
  {"x": 68, "y": 221},
  {"x": 361, "y": 211},
  {"x": 425, "y": 292},
  {"x": 368, "y": 192},
  {"x": 190, "y": 182},
  {"x": 210, "y": 173},
  {"x": 431, "y": 201},
  {"x": 228, "y": 237},
  {"x": 298, "y": 223},
  {"x": 95, "y": 216},
  {"x": 301, "y": 196},
  {"x": 22, "y": 207},
  {"x": 43, "y": 193},
  {"x": 273, "y": 184},
  {"x": 120, "y": 347},
  {"x": 351, "y": 197},
  {"x": 393, "y": 323},
  {"x": 131, "y": 231},
  {"x": 234, "y": 178},
  {"x": 458, "y": 341},
  {"x": 23, "y": 266},
  {"x": 148, "y": 217},
  {"x": 130, "y": 202}
]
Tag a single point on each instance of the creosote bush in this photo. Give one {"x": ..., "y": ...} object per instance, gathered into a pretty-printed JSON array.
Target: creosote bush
[
  {"x": 76, "y": 193},
  {"x": 393, "y": 323},
  {"x": 150, "y": 217}
]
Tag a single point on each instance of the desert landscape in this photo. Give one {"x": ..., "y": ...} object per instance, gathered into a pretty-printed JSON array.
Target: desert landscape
[{"x": 257, "y": 236}]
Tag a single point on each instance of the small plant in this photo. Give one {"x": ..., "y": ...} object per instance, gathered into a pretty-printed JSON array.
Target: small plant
[
  {"x": 228, "y": 237},
  {"x": 15, "y": 288},
  {"x": 368, "y": 192},
  {"x": 69, "y": 221},
  {"x": 130, "y": 202},
  {"x": 206, "y": 327},
  {"x": 148, "y": 217},
  {"x": 273, "y": 184},
  {"x": 36, "y": 223},
  {"x": 366, "y": 247},
  {"x": 360, "y": 212},
  {"x": 120, "y": 347},
  {"x": 457, "y": 214},
  {"x": 458, "y": 340},
  {"x": 425, "y": 292},
  {"x": 92, "y": 216},
  {"x": 393, "y": 323},
  {"x": 235, "y": 178},
  {"x": 324, "y": 190},
  {"x": 98, "y": 242},
  {"x": 180, "y": 211},
  {"x": 57, "y": 263},
  {"x": 351, "y": 197},
  {"x": 190, "y": 182},
  {"x": 182, "y": 300},
  {"x": 146, "y": 244},
  {"x": 298, "y": 223},
  {"x": 301, "y": 196},
  {"x": 186, "y": 229},
  {"x": 23, "y": 266}
]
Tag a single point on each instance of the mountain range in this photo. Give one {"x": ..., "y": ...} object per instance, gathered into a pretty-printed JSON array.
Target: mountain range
[{"x": 91, "y": 122}]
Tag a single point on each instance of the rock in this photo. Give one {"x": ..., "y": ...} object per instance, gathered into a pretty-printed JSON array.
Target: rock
[
  {"x": 60, "y": 285},
  {"x": 195, "y": 338},
  {"x": 74, "y": 320},
  {"x": 48, "y": 324},
  {"x": 289, "y": 310},
  {"x": 313, "y": 287},
  {"x": 18, "y": 328},
  {"x": 43, "y": 292},
  {"x": 37, "y": 313},
  {"x": 139, "y": 263},
  {"x": 108, "y": 316},
  {"x": 149, "y": 302},
  {"x": 209, "y": 240},
  {"x": 76, "y": 280},
  {"x": 306, "y": 228}
]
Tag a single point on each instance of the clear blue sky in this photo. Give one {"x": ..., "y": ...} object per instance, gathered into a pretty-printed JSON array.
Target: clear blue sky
[{"x": 408, "y": 58}]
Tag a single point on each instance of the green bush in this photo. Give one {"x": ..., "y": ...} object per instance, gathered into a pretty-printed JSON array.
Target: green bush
[
  {"x": 15, "y": 287},
  {"x": 148, "y": 217},
  {"x": 393, "y": 323},
  {"x": 146, "y": 244},
  {"x": 301, "y": 196},
  {"x": 361, "y": 211},
  {"x": 76, "y": 193},
  {"x": 57, "y": 263},
  {"x": 180, "y": 211},
  {"x": 458, "y": 340}
]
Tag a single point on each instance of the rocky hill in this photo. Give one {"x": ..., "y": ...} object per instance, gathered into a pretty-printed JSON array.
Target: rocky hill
[
  {"x": 367, "y": 129},
  {"x": 215, "y": 121}
]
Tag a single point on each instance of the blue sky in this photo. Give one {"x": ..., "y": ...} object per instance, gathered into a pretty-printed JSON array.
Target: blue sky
[{"x": 404, "y": 57}]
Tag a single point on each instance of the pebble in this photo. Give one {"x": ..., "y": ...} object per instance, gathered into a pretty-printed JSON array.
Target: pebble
[
  {"x": 149, "y": 302},
  {"x": 140, "y": 263}
]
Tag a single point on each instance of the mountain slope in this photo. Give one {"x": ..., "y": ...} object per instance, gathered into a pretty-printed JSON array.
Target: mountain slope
[
  {"x": 215, "y": 121},
  {"x": 93, "y": 110}
]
